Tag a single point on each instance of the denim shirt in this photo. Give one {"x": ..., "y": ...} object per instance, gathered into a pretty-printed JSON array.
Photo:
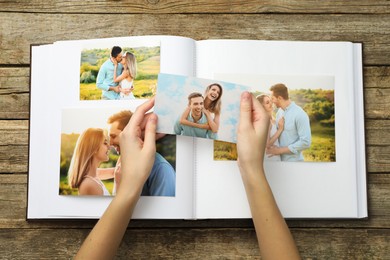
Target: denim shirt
[
  {"x": 162, "y": 179},
  {"x": 105, "y": 79},
  {"x": 296, "y": 134}
]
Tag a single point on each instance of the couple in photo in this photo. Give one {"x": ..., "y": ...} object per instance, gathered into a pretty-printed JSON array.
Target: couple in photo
[
  {"x": 201, "y": 117},
  {"x": 93, "y": 147},
  {"x": 117, "y": 74},
  {"x": 289, "y": 133}
]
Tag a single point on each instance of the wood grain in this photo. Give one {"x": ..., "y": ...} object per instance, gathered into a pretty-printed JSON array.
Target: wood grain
[
  {"x": 175, "y": 243},
  {"x": 198, "y": 6},
  {"x": 372, "y": 30}
]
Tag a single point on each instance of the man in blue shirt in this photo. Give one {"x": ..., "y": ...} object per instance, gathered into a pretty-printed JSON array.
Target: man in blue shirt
[
  {"x": 296, "y": 135},
  {"x": 162, "y": 178},
  {"x": 105, "y": 77},
  {"x": 196, "y": 115}
]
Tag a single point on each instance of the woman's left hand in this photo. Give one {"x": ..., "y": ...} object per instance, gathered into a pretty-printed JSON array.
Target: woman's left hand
[{"x": 138, "y": 149}]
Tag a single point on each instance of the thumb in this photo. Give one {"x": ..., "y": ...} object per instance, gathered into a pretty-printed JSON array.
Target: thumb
[
  {"x": 245, "y": 110},
  {"x": 150, "y": 133}
]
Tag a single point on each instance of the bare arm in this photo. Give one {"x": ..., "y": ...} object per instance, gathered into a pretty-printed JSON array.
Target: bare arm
[
  {"x": 138, "y": 157},
  {"x": 274, "y": 238},
  {"x": 185, "y": 121},
  {"x": 123, "y": 75},
  {"x": 213, "y": 122},
  {"x": 105, "y": 173},
  {"x": 273, "y": 138}
]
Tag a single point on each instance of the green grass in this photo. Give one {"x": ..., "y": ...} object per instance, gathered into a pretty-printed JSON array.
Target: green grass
[
  {"x": 322, "y": 147},
  {"x": 144, "y": 85},
  {"x": 64, "y": 188}
]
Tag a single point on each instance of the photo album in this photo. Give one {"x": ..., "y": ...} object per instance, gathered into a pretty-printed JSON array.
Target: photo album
[{"x": 315, "y": 159}]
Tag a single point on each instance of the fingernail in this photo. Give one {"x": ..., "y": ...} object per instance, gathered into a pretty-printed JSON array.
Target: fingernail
[{"x": 245, "y": 95}]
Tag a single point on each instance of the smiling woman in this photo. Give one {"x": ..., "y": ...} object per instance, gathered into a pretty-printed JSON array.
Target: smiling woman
[{"x": 91, "y": 149}]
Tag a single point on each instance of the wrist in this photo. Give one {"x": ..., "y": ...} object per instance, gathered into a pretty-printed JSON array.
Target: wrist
[{"x": 128, "y": 195}]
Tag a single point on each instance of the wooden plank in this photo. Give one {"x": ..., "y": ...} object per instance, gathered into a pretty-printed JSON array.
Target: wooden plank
[
  {"x": 14, "y": 80},
  {"x": 14, "y": 132},
  {"x": 376, "y": 77},
  {"x": 197, "y": 243},
  {"x": 13, "y": 197},
  {"x": 198, "y": 6},
  {"x": 372, "y": 30},
  {"x": 13, "y": 159}
]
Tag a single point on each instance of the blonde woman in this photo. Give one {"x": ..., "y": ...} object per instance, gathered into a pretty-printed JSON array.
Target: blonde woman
[
  {"x": 126, "y": 79},
  {"x": 91, "y": 149},
  {"x": 273, "y": 131},
  {"x": 212, "y": 109}
]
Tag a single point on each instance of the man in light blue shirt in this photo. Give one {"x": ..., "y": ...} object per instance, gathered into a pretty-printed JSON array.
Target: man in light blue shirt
[
  {"x": 296, "y": 135},
  {"x": 196, "y": 115},
  {"x": 105, "y": 77},
  {"x": 162, "y": 178}
]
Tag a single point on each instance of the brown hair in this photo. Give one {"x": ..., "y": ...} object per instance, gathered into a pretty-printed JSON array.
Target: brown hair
[
  {"x": 193, "y": 95},
  {"x": 215, "y": 106},
  {"x": 280, "y": 90},
  {"x": 123, "y": 117}
]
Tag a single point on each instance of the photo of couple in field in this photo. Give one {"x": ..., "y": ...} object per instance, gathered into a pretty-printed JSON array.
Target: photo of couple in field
[
  {"x": 302, "y": 121},
  {"x": 119, "y": 72},
  {"x": 90, "y": 154}
]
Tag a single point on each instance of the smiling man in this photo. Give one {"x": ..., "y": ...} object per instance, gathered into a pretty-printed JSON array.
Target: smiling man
[{"x": 196, "y": 115}]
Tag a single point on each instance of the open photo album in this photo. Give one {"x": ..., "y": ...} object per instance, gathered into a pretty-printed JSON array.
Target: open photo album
[{"x": 312, "y": 91}]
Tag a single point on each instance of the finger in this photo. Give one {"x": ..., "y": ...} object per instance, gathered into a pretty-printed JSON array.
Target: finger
[
  {"x": 245, "y": 110},
  {"x": 159, "y": 135},
  {"x": 139, "y": 113},
  {"x": 258, "y": 110},
  {"x": 150, "y": 133}
]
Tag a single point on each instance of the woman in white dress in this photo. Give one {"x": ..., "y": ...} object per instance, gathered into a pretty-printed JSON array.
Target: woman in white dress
[
  {"x": 126, "y": 79},
  {"x": 212, "y": 109},
  {"x": 273, "y": 131},
  {"x": 92, "y": 148}
]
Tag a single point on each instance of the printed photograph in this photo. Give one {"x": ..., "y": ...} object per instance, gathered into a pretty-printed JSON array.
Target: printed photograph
[
  {"x": 302, "y": 117},
  {"x": 198, "y": 107},
  {"x": 90, "y": 154},
  {"x": 119, "y": 72}
]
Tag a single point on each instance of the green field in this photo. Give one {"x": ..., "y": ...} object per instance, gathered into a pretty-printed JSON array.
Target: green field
[
  {"x": 322, "y": 148},
  {"x": 144, "y": 84}
]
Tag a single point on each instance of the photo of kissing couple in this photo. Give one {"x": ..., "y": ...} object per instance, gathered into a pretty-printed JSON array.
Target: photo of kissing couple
[
  {"x": 119, "y": 73},
  {"x": 90, "y": 155}
]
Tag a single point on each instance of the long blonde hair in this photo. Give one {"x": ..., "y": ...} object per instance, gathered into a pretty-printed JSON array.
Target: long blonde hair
[
  {"x": 87, "y": 145},
  {"x": 131, "y": 63}
]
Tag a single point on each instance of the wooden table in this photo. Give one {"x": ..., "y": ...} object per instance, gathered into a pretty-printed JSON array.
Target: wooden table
[{"x": 37, "y": 21}]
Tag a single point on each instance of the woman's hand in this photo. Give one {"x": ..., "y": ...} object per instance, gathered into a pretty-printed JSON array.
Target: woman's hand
[
  {"x": 138, "y": 148},
  {"x": 274, "y": 238}
]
